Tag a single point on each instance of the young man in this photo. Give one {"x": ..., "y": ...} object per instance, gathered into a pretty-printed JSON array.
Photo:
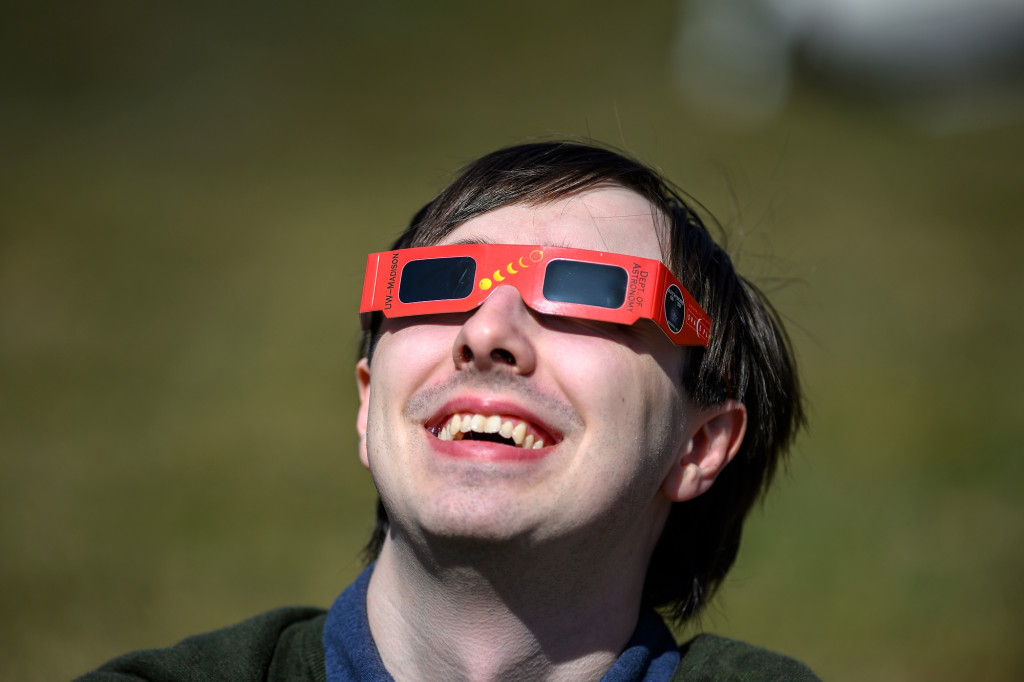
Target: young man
[{"x": 569, "y": 401}]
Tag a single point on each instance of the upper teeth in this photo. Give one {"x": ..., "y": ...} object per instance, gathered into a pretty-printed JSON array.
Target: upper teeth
[{"x": 460, "y": 424}]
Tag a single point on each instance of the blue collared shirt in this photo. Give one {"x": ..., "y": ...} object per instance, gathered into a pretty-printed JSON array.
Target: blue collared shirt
[{"x": 351, "y": 655}]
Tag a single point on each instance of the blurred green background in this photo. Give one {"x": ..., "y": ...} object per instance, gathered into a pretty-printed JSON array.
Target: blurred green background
[{"x": 187, "y": 194}]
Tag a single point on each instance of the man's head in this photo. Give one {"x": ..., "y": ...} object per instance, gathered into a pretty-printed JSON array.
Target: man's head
[{"x": 636, "y": 428}]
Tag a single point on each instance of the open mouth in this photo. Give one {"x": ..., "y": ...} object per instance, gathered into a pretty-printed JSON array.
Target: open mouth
[{"x": 494, "y": 428}]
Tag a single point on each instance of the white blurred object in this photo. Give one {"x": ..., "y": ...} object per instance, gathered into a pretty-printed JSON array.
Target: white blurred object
[{"x": 949, "y": 64}]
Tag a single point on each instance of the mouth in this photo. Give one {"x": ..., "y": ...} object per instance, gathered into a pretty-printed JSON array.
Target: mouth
[{"x": 493, "y": 428}]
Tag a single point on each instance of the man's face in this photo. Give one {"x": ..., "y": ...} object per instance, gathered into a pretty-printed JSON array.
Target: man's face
[{"x": 605, "y": 401}]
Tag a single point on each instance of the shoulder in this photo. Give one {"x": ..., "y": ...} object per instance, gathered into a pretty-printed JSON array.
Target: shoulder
[
  {"x": 710, "y": 657},
  {"x": 283, "y": 644}
]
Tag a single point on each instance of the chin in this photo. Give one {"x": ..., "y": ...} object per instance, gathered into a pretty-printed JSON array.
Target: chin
[{"x": 483, "y": 520}]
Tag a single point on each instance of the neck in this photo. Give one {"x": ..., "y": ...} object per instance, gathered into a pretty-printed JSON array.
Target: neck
[{"x": 536, "y": 615}]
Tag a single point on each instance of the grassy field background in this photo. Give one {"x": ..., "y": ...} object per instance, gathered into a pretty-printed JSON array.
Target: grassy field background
[{"x": 187, "y": 194}]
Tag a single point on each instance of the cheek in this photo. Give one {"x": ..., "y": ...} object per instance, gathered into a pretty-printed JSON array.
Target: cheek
[
  {"x": 405, "y": 360},
  {"x": 634, "y": 424},
  {"x": 605, "y": 371},
  {"x": 628, "y": 398},
  {"x": 407, "y": 355}
]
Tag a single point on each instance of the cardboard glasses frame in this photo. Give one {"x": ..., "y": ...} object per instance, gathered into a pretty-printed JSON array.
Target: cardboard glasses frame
[{"x": 592, "y": 285}]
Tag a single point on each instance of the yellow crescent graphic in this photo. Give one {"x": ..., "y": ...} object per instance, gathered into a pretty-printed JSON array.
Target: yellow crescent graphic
[
  {"x": 522, "y": 264},
  {"x": 498, "y": 277},
  {"x": 511, "y": 270}
]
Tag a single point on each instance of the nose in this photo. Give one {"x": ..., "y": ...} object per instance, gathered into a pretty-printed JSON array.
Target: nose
[{"x": 497, "y": 335}]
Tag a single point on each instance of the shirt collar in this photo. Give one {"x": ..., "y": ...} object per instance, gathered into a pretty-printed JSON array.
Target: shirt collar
[{"x": 351, "y": 655}]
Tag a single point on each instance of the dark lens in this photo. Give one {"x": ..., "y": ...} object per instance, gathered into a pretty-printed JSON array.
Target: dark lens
[
  {"x": 437, "y": 279},
  {"x": 570, "y": 281}
]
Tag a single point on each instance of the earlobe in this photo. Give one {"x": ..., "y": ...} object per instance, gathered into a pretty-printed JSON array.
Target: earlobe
[
  {"x": 716, "y": 436},
  {"x": 363, "y": 384}
]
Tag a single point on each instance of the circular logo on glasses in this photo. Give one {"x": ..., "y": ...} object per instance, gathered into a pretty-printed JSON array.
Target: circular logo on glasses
[{"x": 675, "y": 308}]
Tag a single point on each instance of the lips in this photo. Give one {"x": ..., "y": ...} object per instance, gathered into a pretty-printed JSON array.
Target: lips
[{"x": 495, "y": 428}]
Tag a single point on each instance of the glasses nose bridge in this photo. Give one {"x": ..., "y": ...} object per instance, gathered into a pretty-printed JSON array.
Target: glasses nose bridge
[
  {"x": 508, "y": 298},
  {"x": 492, "y": 285}
]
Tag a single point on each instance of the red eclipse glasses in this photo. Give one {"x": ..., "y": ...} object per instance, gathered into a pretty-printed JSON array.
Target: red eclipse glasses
[{"x": 592, "y": 285}]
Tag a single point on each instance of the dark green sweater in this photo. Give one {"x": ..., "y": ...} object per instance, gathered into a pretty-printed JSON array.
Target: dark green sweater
[{"x": 285, "y": 645}]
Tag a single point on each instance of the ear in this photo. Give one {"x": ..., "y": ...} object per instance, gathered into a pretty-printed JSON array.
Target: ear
[
  {"x": 716, "y": 437},
  {"x": 363, "y": 384}
]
